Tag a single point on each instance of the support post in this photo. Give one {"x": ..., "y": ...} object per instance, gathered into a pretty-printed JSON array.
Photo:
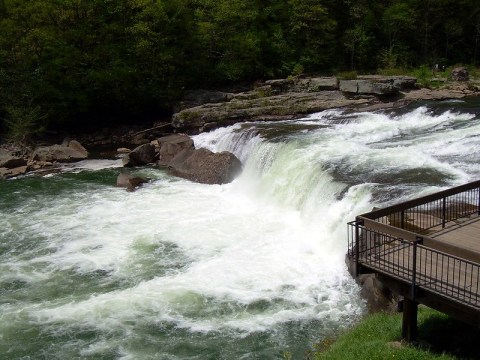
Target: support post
[
  {"x": 410, "y": 306},
  {"x": 409, "y": 320}
]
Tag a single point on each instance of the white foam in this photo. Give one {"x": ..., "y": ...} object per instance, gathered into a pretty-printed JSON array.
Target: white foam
[
  {"x": 276, "y": 236},
  {"x": 92, "y": 164}
]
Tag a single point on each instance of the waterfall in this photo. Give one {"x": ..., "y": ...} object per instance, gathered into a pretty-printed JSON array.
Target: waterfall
[{"x": 248, "y": 269}]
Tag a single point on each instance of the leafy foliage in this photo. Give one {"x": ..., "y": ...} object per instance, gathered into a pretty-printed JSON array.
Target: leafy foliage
[
  {"x": 23, "y": 123},
  {"x": 101, "y": 61}
]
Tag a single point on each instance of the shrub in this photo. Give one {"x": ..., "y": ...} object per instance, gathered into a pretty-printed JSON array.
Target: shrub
[
  {"x": 22, "y": 123},
  {"x": 424, "y": 76},
  {"x": 347, "y": 75}
]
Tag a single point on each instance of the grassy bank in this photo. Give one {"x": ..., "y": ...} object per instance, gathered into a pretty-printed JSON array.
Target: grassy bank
[{"x": 378, "y": 337}]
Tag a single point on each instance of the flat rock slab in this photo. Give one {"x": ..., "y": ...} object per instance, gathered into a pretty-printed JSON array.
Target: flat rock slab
[
  {"x": 278, "y": 107},
  {"x": 367, "y": 87}
]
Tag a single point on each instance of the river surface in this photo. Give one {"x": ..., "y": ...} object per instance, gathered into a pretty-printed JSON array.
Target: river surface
[{"x": 249, "y": 270}]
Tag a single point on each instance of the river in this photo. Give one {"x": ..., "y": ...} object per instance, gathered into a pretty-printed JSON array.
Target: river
[{"x": 249, "y": 270}]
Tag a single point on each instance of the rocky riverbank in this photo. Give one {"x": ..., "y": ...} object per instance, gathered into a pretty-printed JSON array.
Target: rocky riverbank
[
  {"x": 202, "y": 111},
  {"x": 294, "y": 97}
]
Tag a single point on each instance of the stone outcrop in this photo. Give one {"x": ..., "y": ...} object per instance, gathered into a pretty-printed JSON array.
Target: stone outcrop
[
  {"x": 283, "y": 99},
  {"x": 6, "y": 173},
  {"x": 460, "y": 74},
  {"x": 455, "y": 91},
  {"x": 206, "y": 167},
  {"x": 308, "y": 85},
  {"x": 259, "y": 108},
  {"x": 367, "y": 87},
  {"x": 378, "y": 296},
  {"x": 141, "y": 155},
  {"x": 377, "y": 85},
  {"x": 130, "y": 182},
  {"x": 398, "y": 82},
  {"x": 72, "y": 151}
]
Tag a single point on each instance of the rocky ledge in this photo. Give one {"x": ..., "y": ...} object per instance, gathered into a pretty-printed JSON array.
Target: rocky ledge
[
  {"x": 176, "y": 152},
  {"x": 15, "y": 161},
  {"x": 201, "y": 111},
  {"x": 293, "y": 97}
]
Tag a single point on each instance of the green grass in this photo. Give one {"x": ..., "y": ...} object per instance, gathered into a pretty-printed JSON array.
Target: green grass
[
  {"x": 347, "y": 75},
  {"x": 378, "y": 337}
]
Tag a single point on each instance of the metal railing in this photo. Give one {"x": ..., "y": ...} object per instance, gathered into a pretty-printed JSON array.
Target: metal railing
[
  {"x": 436, "y": 210},
  {"x": 394, "y": 241},
  {"x": 415, "y": 264}
]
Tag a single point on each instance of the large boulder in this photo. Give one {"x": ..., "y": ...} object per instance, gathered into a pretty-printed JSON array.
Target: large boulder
[
  {"x": 170, "y": 146},
  {"x": 9, "y": 161},
  {"x": 206, "y": 167},
  {"x": 72, "y": 151},
  {"x": 141, "y": 155},
  {"x": 460, "y": 74}
]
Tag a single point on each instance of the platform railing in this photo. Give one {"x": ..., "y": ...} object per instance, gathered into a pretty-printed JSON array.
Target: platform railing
[
  {"x": 423, "y": 214},
  {"x": 410, "y": 261}
]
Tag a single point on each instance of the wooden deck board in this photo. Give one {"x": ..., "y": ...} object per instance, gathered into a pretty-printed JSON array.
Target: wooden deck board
[{"x": 465, "y": 235}]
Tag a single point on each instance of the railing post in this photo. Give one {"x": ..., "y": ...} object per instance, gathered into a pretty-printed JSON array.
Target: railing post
[
  {"x": 402, "y": 219},
  {"x": 444, "y": 211},
  {"x": 357, "y": 246},
  {"x": 478, "y": 207},
  {"x": 413, "y": 290}
]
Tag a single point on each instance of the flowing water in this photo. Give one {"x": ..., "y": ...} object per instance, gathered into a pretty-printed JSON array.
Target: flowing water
[{"x": 249, "y": 270}]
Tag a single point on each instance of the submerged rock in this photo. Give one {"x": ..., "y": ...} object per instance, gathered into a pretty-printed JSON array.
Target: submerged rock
[{"x": 130, "y": 182}]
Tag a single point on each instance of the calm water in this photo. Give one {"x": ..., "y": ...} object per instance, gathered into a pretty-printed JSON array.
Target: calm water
[{"x": 249, "y": 270}]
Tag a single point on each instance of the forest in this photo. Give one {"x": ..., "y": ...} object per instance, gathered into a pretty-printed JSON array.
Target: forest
[{"x": 80, "y": 63}]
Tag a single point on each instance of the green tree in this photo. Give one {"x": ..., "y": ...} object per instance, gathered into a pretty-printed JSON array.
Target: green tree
[
  {"x": 313, "y": 31},
  {"x": 399, "y": 21}
]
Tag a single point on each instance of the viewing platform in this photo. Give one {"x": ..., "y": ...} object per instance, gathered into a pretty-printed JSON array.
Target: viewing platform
[{"x": 426, "y": 250}]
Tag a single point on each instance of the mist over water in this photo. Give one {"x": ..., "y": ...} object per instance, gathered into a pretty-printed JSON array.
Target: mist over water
[{"x": 247, "y": 270}]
